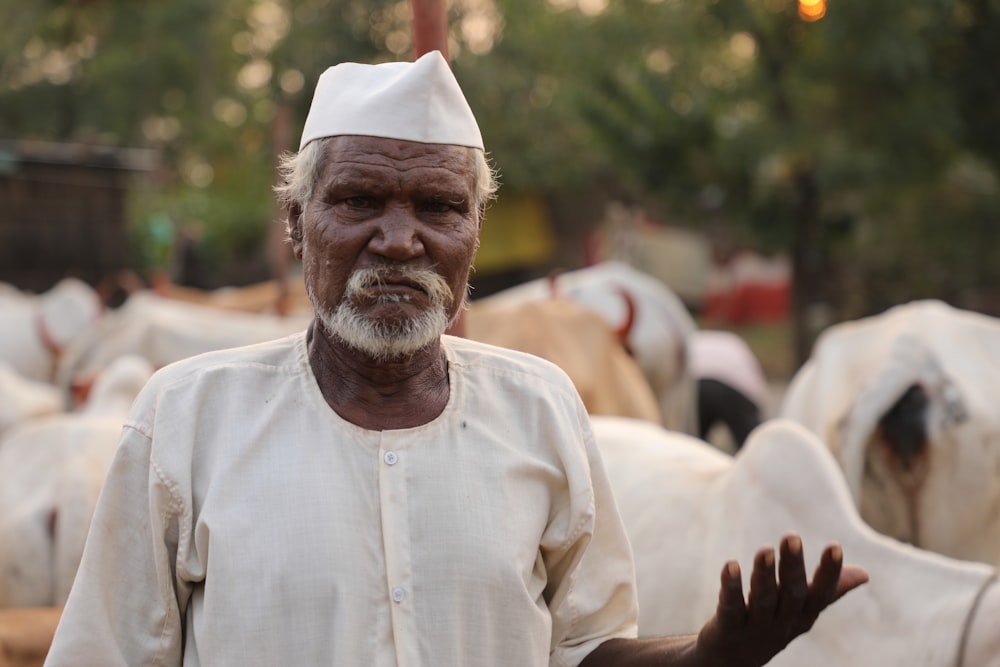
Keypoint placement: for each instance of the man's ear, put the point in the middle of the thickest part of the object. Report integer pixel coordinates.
(295, 229)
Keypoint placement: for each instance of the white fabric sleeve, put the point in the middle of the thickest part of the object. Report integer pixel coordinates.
(591, 590)
(123, 608)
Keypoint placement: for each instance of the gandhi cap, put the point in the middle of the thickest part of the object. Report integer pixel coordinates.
(416, 101)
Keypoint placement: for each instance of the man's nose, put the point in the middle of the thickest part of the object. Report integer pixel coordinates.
(397, 235)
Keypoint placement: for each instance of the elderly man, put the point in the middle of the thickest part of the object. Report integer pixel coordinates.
(372, 492)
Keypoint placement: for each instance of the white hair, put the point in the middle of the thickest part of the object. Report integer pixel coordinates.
(385, 340)
(300, 171)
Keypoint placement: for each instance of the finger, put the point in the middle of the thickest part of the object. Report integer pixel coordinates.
(763, 598)
(793, 588)
(851, 576)
(732, 610)
(826, 579)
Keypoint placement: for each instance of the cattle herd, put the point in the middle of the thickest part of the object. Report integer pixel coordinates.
(886, 441)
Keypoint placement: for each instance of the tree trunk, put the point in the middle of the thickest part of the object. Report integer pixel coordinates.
(430, 32)
(807, 263)
(430, 27)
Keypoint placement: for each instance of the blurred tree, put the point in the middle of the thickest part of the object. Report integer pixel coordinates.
(202, 82)
(865, 143)
(804, 134)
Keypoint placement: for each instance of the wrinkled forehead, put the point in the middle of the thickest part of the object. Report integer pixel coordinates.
(353, 154)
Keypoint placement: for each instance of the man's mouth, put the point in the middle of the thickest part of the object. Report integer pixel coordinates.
(394, 286)
(402, 283)
(387, 288)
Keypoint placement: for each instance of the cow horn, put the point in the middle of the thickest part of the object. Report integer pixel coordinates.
(553, 278)
(625, 327)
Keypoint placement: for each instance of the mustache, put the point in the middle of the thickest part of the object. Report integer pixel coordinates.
(433, 285)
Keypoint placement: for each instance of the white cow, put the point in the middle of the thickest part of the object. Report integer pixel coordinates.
(35, 329)
(51, 471)
(906, 401)
(657, 338)
(22, 398)
(165, 330)
(271, 296)
(688, 508)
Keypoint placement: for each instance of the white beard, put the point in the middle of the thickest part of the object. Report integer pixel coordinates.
(385, 340)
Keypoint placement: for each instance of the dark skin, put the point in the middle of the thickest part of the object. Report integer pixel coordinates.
(386, 201)
(747, 632)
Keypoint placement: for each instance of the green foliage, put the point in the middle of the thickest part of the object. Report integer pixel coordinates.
(200, 82)
(797, 135)
(868, 138)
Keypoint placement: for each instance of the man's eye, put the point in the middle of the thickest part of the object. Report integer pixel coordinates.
(438, 205)
(359, 202)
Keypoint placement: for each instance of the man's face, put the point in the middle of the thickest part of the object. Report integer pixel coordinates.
(396, 218)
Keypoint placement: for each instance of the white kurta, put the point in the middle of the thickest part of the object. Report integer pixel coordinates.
(244, 522)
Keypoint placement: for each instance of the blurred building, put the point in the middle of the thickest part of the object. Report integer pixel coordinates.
(681, 258)
(517, 243)
(749, 288)
(63, 211)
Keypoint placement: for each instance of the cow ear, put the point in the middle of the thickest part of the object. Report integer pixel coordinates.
(295, 229)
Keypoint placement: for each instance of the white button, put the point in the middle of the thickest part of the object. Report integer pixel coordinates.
(390, 458)
(398, 594)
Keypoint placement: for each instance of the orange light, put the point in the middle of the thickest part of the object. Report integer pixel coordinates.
(812, 10)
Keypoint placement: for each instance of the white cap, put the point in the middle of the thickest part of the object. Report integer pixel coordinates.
(418, 101)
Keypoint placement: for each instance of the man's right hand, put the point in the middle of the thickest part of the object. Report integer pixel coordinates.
(781, 605)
